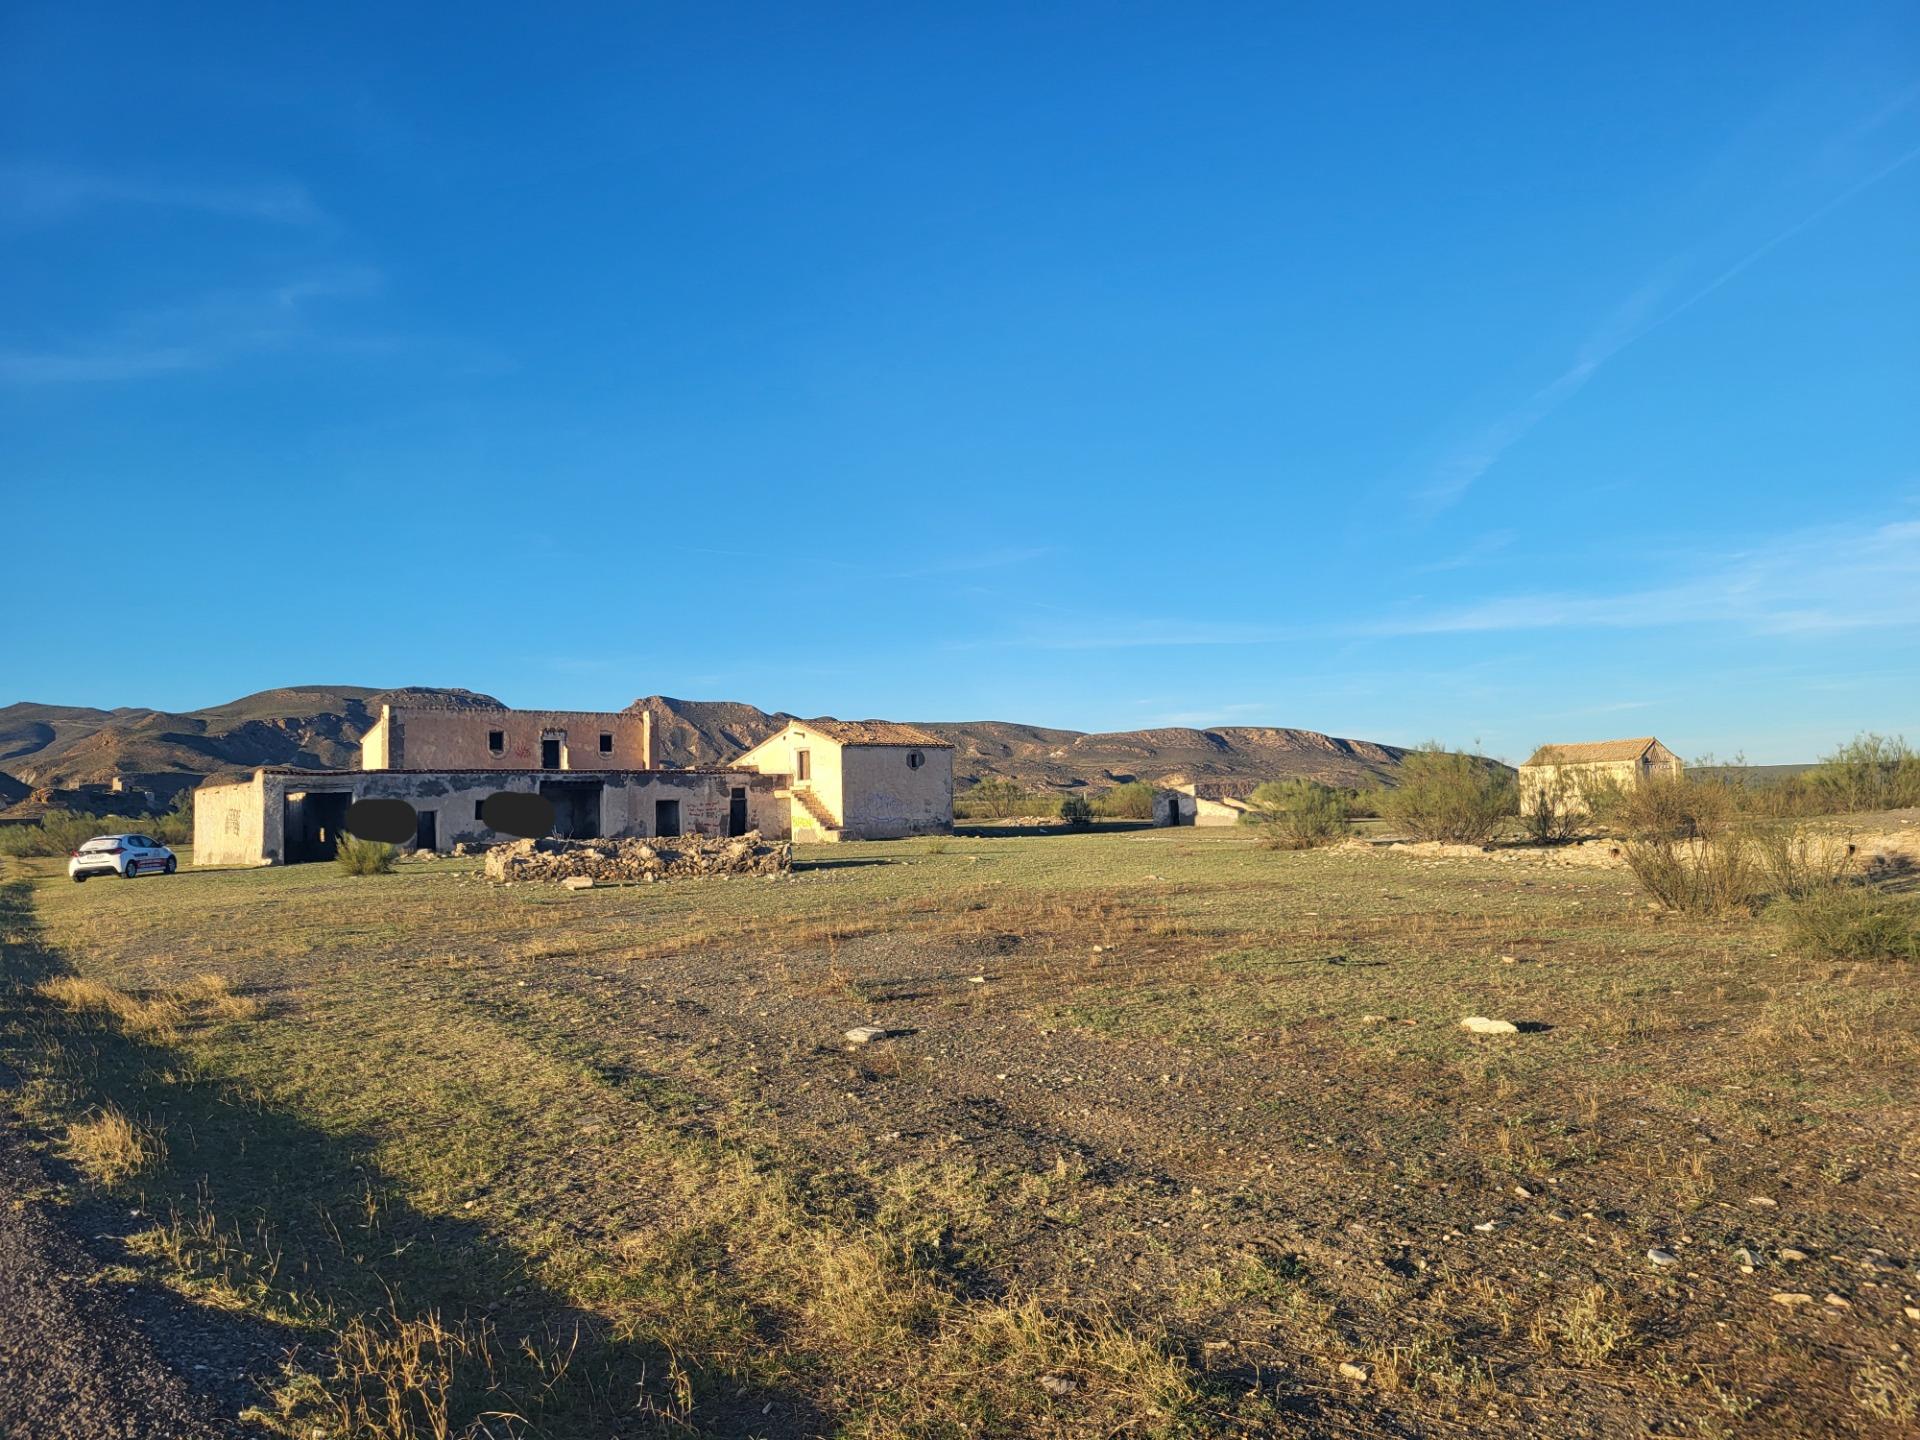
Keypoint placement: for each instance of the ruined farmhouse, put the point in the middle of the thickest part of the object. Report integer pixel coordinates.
(1565, 775)
(861, 779)
(817, 780)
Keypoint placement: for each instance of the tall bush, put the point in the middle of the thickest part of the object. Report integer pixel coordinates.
(1444, 795)
(1299, 814)
(1869, 772)
(1132, 801)
(1076, 810)
(998, 799)
(60, 831)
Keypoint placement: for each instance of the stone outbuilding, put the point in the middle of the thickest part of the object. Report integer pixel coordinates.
(1566, 774)
(859, 779)
(1204, 802)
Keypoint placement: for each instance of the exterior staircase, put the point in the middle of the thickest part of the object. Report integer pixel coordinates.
(817, 811)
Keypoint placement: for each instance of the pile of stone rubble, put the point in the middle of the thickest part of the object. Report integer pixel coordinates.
(613, 861)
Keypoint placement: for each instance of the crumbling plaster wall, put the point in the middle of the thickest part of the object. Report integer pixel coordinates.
(888, 797)
(227, 824)
(408, 738)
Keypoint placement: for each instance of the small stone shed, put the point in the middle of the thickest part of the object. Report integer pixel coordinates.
(1204, 802)
(859, 779)
(284, 816)
(1566, 774)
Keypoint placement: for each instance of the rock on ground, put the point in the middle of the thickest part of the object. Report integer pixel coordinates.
(552, 861)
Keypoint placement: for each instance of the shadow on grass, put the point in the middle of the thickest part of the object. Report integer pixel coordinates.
(397, 1312)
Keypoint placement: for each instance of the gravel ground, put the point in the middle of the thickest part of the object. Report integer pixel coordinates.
(81, 1358)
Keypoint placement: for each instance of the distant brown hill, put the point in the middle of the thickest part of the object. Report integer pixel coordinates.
(63, 747)
(56, 748)
(704, 732)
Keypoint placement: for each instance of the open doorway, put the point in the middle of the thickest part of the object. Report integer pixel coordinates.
(426, 834)
(550, 754)
(666, 817)
(576, 808)
(313, 824)
(737, 811)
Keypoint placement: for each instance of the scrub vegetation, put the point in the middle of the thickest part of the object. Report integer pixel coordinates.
(1171, 1134)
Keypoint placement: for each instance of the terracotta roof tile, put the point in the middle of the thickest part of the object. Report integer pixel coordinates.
(1592, 752)
(876, 732)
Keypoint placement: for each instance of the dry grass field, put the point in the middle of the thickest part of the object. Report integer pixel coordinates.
(1173, 1135)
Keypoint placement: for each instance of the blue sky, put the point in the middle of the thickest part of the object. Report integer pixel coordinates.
(1506, 374)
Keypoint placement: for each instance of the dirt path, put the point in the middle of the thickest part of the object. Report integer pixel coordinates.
(75, 1358)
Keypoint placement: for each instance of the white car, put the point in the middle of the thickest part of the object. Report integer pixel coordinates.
(122, 855)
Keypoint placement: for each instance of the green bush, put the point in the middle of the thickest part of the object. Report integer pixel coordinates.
(1077, 811)
(1132, 801)
(364, 857)
(1852, 923)
(1662, 807)
(1299, 814)
(997, 799)
(1555, 814)
(1696, 876)
(1737, 867)
(1870, 772)
(60, 832)
(1444, 795)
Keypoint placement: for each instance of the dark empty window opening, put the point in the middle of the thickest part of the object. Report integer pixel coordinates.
(478, 806)
(549, 754)
(496, 740)
(606, 743)
(802, 765)
(666, 817)
(915, 759)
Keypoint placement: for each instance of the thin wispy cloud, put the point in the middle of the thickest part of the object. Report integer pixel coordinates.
(1636, 319)
(1830, 579)
(47, 194)
(200, 334)
(1485, 548)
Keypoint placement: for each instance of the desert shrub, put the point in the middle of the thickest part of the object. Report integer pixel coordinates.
(1363, 802)
(1696, 875)
(1444, 795)
(1555, 813)
(1737, 867)
(364, 857)
(1795, 862)
(1662, 808)
(60, 832)
(997, 799)
(1299, 814)
(1852, 923)
(1132, 801)
(1076, 810)
(1870, 772)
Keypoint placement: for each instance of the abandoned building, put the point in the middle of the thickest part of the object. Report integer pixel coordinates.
(860, 779)
(1563, 775)
(815, 780)
(445, 737)
(1204, 802)
(283, 816)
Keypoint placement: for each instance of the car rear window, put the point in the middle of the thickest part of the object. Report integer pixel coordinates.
(103, 842)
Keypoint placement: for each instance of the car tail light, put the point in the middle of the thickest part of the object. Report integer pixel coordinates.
(117, 850)
(73, 855)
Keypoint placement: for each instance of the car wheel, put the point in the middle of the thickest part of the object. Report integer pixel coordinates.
(132, 870)
(172, 865)
(79, 877)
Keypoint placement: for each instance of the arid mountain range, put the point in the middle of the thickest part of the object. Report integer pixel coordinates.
(49, 754)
